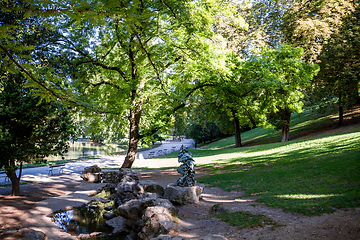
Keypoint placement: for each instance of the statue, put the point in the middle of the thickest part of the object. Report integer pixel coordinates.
(186, 169)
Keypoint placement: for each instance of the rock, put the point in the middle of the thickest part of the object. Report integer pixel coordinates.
(109, 216)
(150, 211)
(127, 190)
(92, 169)
(170, 237)
(158, 223)
(151, 187)
(93, 206)
(148, 195)
(118, 225)
(128, 175)
(109, 208)
(31, 234)
(218, 209)
(91, 177)
(104, 200)
(183, 195)
(135, 208)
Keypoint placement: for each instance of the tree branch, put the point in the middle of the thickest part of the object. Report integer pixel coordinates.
(155, 68)
(96, 63)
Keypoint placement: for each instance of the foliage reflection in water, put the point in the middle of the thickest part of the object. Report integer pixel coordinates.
(86, 219)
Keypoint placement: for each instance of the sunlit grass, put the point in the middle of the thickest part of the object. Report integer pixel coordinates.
(310, 176)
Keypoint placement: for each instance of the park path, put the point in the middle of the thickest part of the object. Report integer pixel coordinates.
(33, 174)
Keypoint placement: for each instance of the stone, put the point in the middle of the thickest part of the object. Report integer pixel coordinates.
(92, 169)
(170, 237)
(104, 201)
(128, 175)
(31, 234)
(118, 225)
(183, 195)
(135, 208)
(158, 223)
(151, 187)
(109, 216)
(93, 206)
(109, 208)
(150, 211)
(127, 190)
(91, 177)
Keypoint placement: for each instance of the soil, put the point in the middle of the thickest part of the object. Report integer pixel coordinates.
(196, 219)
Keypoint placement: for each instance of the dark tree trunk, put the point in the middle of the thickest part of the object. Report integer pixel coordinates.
(341, 116)
(285, 133)
(15, 180)
(286, 115)
(237, 132)
(134, 137)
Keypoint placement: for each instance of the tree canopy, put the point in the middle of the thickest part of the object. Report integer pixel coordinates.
(29, 129)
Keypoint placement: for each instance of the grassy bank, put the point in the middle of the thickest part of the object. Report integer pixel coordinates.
(310, 176)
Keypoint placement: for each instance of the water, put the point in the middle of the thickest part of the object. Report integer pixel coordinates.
(82, 149)
(87, 219)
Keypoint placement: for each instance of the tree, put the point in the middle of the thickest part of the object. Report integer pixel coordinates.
(286, 76)
(30, 129)
(340, 63)
(149, 58)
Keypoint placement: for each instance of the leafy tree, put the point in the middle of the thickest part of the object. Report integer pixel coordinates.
(30, 129)
(266, 88)
(340, 63)
(287, 75)
(150, 57)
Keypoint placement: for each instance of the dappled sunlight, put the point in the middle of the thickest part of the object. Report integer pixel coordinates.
(223, 199)
(308, 196)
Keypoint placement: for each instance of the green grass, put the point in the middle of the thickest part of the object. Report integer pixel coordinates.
(246, 219)
(302, 124)
(309, 176)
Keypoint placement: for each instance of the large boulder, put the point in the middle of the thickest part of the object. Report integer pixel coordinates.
(127, 190)
(157, 223)
(183, 195)
(135, 208)
(31, 234)
(118, 225)
(92, 174)
(151, 187)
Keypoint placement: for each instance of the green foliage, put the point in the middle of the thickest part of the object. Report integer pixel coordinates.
(340, 62)
(199, 134)
(30, 129)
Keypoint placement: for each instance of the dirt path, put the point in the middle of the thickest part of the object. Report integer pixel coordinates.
(196, 219)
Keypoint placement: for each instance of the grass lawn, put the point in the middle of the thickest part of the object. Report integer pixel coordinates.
(311, 176)
(317, 172)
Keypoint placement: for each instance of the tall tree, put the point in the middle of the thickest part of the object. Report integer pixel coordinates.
(340, 63)
(30, 129)
(141, 62)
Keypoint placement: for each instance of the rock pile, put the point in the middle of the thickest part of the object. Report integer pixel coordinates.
(145, 208)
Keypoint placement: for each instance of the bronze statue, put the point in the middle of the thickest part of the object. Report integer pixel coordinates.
(186, 169)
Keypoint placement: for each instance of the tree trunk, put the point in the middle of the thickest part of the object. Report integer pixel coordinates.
(285, 134)
(134, 137)
(15, 180)
(285, 125)
(237, 132)
(341, 115)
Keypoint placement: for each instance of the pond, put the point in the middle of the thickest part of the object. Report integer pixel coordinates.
(86, 149)
(89, 218)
